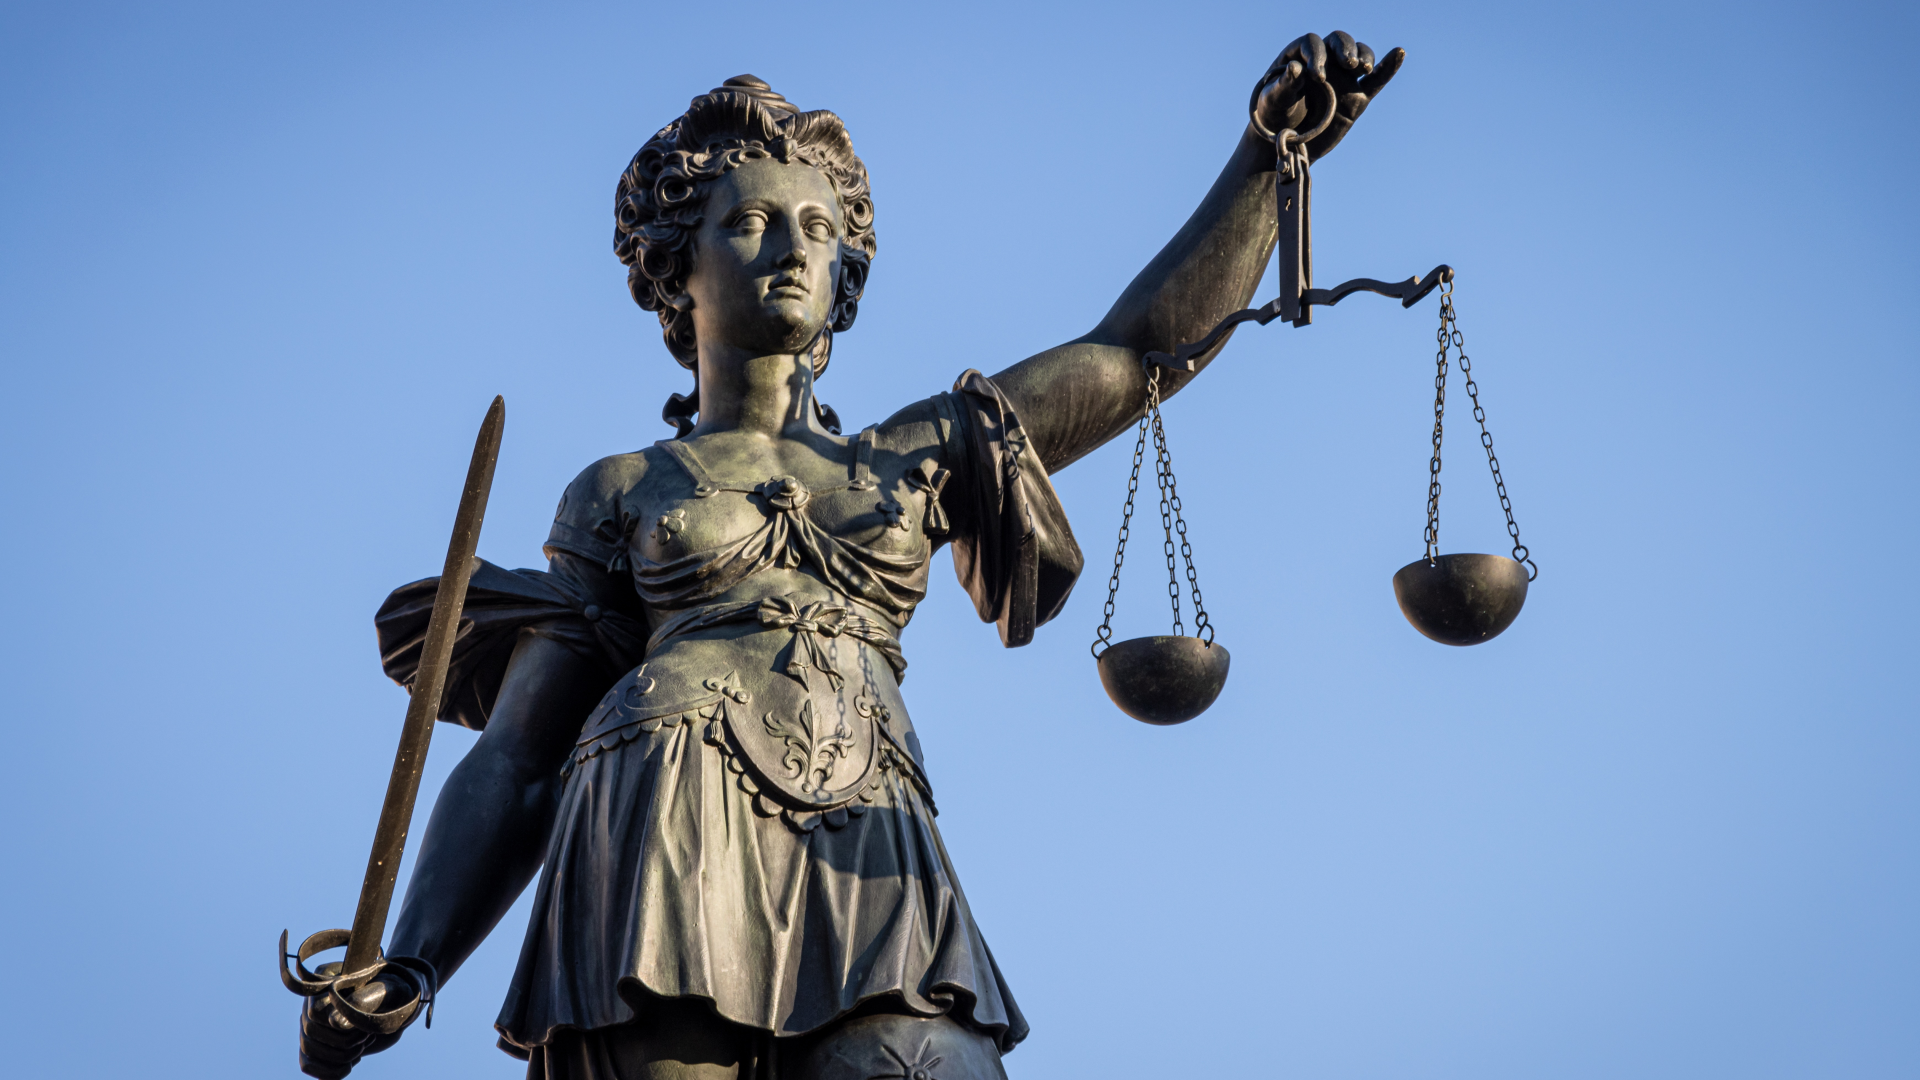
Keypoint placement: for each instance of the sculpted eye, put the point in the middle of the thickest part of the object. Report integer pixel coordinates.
(820, 230)
(751, 221)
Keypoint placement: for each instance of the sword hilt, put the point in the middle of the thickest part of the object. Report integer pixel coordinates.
(365, 998)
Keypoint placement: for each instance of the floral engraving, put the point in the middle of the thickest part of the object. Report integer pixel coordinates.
(812, 751)
(920, 1068)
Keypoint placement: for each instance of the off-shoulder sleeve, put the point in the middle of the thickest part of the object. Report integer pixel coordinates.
(586, 602)
(593, 520)
(1013, 549)
(500, 604)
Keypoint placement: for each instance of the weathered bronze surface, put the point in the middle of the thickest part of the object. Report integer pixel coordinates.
(1168, 679)
(1461, 599)
(691, 722)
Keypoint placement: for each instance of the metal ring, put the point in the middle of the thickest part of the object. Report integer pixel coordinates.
(1311, 84)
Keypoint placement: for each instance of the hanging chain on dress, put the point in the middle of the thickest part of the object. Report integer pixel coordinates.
(1449, 338)
(1172, 522)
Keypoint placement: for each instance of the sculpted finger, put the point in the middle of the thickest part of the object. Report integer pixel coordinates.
(1366, 58)
(1343, 50)
(1310, 51)
(1282, 82)
(320, 1049)
(1383, 72)
(1285, 68)
(326, 1038)
(1317, 49)
(1274, 104)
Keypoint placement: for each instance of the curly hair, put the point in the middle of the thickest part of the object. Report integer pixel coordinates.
(660, 198)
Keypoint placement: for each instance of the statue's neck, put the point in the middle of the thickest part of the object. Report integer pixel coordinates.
(769, 395)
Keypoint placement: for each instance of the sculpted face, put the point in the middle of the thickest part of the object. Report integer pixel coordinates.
(766, 257)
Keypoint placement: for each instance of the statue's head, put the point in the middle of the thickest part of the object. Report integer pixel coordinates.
(689, 200)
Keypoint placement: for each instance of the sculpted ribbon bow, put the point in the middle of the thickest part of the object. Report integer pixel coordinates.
(809, 624)
(930, 482)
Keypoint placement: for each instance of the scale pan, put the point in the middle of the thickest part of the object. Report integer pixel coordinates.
(1163, 680)
(1461, 599)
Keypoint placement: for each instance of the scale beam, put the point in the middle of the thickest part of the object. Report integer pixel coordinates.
(1408, 292)
(1293, 195)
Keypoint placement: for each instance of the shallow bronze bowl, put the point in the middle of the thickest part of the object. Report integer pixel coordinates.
(1163, 680)
(1461, 599)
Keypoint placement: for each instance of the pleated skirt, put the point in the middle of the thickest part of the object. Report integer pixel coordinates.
(661, 876)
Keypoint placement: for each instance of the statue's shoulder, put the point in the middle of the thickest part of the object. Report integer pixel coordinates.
(596, 509)
(606, 482)
(927, 428)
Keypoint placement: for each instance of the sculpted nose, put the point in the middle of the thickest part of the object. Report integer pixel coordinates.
(795, 255)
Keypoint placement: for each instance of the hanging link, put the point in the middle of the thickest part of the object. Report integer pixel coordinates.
(1172, 524)
(1432, 535)
(1450, 338)
(1163, 473)
(1202, 626)
(1104, 635)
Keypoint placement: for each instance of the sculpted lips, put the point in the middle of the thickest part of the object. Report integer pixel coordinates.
(787, 281)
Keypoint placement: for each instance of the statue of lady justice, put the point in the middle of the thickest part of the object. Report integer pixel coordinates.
(692, 720)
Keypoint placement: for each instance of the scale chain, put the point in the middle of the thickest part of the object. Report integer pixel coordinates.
(1172, 522)
(1104, 635)
(1202, 626)
(1432, 535)
(1449, 337)
(1163, 473)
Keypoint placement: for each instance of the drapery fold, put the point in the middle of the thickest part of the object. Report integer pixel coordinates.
(500, 604)
(1019, 560)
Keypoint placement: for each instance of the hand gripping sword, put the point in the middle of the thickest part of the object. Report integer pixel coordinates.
(364, 986)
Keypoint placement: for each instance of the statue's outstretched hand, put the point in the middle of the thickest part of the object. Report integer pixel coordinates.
(1292, 93)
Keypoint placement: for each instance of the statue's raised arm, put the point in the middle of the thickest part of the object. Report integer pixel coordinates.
(1076, 396)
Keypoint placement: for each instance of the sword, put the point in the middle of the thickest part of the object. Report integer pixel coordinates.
(364, 963)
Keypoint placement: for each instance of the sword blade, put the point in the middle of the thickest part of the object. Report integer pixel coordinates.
(396, 814)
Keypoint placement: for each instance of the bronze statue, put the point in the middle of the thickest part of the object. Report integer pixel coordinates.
(692, 726)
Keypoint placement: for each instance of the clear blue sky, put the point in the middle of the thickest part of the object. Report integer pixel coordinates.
(263, 266)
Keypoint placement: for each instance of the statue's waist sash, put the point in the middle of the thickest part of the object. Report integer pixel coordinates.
(808, 714)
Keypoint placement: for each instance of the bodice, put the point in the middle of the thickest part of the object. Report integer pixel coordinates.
(774, 605)
(701, 575)
(867, 537)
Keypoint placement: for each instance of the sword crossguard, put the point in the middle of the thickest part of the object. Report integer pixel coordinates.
(411, 974)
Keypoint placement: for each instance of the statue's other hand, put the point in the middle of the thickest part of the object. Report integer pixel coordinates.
(1294, 82)
(330, 1046)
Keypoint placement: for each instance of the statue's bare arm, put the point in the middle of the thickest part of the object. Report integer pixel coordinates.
(488, 833)
(1076, 396)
